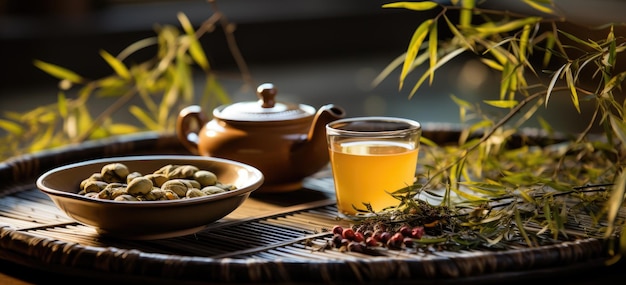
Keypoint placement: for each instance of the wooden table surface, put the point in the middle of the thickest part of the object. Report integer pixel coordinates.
(586, 274)
(14, 274)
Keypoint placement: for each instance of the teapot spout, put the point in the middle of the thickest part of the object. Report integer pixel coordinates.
(314, 149)
(325, 115)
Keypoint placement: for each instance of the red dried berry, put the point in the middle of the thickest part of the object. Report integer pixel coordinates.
(417, 232)
(337, 229)
(358, 237)
(371, 241)
(405, 231)
(348, 234)
(384, 237)
(396, 241)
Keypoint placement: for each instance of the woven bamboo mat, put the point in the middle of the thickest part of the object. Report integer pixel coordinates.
(271, 238)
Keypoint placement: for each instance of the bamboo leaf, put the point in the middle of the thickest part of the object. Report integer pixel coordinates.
(454, 178)
(572, 87)
(169, 99)
(520, 227)
(388, 69)
(84, 121)
(582, 42)
(527, 197)
(461, 102)
(413, 49)
(483, 221)
(516, 75)
(136, 46)
(523, 43)
(468, 196)
(509, 26)
(417, 6)
(432, 49)
(492, 63)
(42, 141)
(171, 94)
(466, 176)
(550, 41)
(612, 48)
(184, 79)
(47, 117)
(521, 178)
(547, 214)
(58, 72)
(85, 93)
(486, 188)
(540, 5)
(119, 68)
(427, 141)
(613, 83)
(122, 129)
(151, 105)
(112, 83)
(463, 106)
(11, 127)
(186, 24)
(502, 103)
(555, 77)
(506, 79)
(613, 205)
(496, 51)
(619, 127)
(195, 49)
(62, 104)
(457, 34)
(545, 125)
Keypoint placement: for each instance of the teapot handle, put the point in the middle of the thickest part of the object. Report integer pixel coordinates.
(189, 122)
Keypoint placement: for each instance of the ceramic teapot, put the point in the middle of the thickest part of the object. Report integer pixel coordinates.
(285, 141)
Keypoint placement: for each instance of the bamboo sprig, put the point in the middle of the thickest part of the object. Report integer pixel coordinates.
(507, 42)
(163, 84)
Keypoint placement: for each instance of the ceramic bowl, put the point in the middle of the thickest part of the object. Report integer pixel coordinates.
(149, 219)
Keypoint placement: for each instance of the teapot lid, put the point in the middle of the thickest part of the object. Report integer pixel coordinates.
(264, 109)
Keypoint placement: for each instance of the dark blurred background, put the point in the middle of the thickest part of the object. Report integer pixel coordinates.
(71, 32)
(316, 52)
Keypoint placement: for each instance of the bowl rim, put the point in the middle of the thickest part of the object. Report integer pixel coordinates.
(254, 185)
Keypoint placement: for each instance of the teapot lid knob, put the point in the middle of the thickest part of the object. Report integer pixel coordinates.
(265, 109)
(267, 93)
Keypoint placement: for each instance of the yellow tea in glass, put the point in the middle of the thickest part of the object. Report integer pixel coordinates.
(370, 158)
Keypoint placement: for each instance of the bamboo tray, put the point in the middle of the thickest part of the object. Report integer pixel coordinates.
(269, 239)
